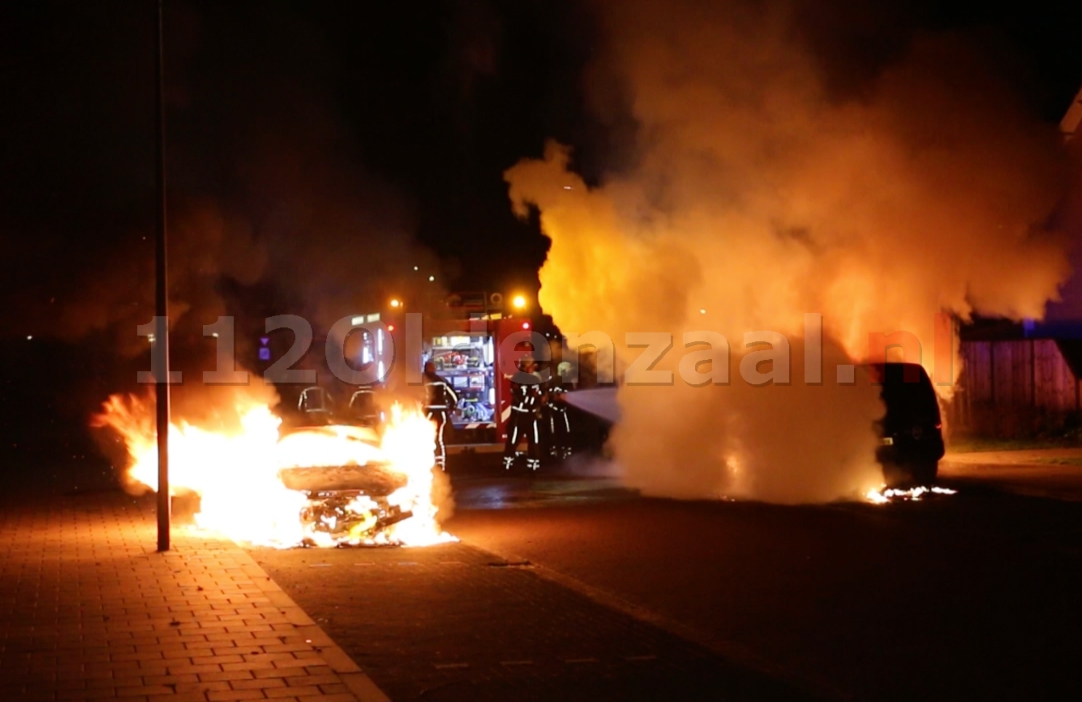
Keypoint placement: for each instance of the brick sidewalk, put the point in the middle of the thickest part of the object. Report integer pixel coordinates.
(89, 610)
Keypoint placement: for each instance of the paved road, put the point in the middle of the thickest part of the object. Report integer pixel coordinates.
(455, 623)
(1052, 473)
(970, 596)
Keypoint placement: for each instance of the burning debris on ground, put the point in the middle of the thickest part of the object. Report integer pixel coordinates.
(886, 495)
(348, 518)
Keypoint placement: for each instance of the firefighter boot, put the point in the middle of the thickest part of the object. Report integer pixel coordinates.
(533, 463)
(508, 462)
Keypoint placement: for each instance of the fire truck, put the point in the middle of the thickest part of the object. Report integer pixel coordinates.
(473, 339)
(463, 338)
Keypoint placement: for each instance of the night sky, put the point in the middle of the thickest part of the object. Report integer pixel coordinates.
(327, 144)
(410, 112)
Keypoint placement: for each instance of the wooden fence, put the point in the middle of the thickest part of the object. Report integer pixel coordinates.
(1026, 384)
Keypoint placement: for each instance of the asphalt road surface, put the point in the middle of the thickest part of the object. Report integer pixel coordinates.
(567, 587)
(1052, 473)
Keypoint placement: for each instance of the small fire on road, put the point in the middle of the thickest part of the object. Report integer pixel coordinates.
(887, 495)
(238, 476)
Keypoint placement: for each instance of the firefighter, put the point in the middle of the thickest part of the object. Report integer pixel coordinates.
(441, 401)
(525, 415)
(363, 407)
(315, 405)
(559, 424)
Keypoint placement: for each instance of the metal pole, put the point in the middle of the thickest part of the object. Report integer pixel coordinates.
(161, 336)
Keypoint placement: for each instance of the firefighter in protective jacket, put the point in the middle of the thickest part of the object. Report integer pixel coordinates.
(559, 424)
(441, 401)
(525, 419)
(363, 407)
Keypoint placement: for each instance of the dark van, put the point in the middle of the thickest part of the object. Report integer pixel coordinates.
(911, 431)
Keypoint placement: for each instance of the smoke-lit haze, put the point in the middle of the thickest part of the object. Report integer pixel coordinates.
(759, 196)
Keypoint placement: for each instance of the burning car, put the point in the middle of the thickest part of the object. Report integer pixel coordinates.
(349, 488)
(911, 431)
(314, 484)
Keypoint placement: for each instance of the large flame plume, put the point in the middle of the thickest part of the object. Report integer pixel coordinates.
(756, 195)
(236, 472)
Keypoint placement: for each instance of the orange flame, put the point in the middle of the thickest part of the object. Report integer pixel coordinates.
(236, 473)
(886, 495)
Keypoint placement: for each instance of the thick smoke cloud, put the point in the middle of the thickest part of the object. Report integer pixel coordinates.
(757, 196)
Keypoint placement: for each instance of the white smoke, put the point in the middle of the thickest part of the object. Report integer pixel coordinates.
(757, 198)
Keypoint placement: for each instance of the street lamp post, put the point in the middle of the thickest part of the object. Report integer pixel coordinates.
(161, 334)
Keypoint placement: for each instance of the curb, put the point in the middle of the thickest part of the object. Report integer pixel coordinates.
(360, 685)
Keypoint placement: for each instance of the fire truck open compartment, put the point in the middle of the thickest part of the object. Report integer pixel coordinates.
(467, 361)
(466, 353)
(463, 339)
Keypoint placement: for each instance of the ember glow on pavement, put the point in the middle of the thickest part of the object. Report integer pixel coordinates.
(882, 497)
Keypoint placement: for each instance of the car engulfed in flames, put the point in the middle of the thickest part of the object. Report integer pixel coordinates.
(318, 486)
(352, 493)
